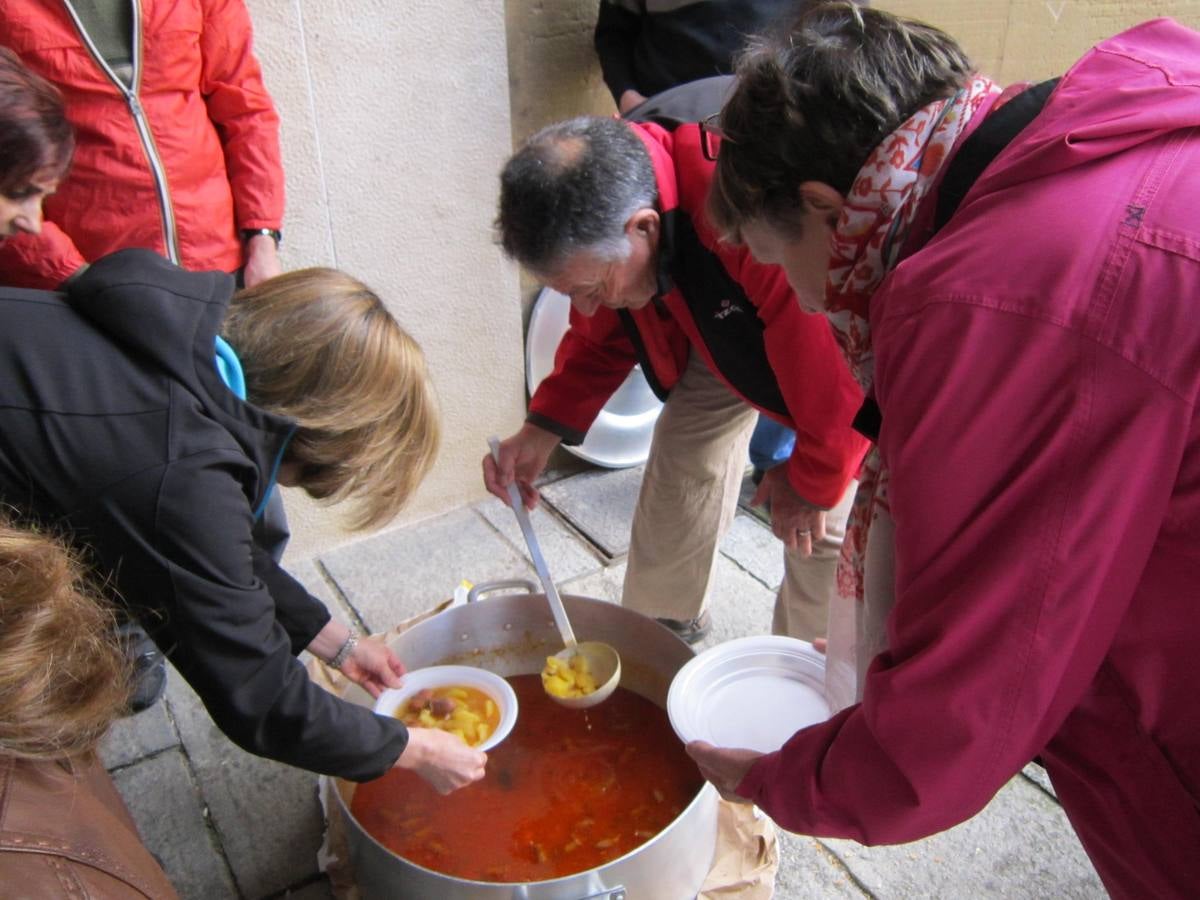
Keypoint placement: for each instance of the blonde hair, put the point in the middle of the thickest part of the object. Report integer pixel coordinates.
(63, 675)
(320, 348)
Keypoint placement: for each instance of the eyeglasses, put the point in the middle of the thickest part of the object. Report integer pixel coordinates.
(711, 136)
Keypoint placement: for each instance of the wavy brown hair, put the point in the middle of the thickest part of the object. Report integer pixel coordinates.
(813, 100)
(320, 348)
(34, 132)
(63, 675)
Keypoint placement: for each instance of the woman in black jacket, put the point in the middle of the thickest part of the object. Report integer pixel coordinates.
(148, 414)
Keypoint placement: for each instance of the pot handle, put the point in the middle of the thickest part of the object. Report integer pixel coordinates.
(476, 592)
(615, 893)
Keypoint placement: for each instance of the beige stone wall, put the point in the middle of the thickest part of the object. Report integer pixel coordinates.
(552, 74)
(395, 122)
(1036, 39)
(552, 68)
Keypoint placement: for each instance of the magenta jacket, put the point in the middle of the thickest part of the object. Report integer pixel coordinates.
(1038, 369)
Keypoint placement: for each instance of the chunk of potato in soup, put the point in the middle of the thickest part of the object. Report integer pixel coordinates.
(461, 710)
(568, 679)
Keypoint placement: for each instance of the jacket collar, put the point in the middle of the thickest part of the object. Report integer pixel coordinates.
(170, 318)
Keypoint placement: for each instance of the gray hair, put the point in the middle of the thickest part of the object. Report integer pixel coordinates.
(571, 188)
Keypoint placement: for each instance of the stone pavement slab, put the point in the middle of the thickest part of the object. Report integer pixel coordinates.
(603, 584)
(166, 805)
(266, 815)
(752, 546)
(395, 575)
(1019, 846)
(739, 603)
(566, 555)
(562, 464)
(809, 870)
(310, 574)
(1038, 776)
(134, 737)
(600, 504)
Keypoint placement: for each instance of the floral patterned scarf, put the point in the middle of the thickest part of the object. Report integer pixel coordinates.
(872, 229)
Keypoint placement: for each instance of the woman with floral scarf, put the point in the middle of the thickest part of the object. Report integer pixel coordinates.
(1023, 556)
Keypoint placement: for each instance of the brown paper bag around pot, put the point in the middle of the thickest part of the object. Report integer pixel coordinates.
(333, 857)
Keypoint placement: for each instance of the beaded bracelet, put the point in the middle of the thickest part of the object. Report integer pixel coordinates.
(343, 654)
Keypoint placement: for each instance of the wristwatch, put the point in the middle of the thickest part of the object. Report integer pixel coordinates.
(274, 233)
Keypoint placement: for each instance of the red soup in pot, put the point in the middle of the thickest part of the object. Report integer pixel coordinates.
(568, 790)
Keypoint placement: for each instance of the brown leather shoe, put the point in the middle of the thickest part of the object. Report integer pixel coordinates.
(691, 630)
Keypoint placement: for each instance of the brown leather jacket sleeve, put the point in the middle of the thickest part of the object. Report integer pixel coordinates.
(89, 848)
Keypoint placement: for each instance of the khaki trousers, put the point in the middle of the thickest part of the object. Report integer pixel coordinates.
(688, 499)
(810, 585)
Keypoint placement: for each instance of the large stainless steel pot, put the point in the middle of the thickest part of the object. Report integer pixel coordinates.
(512, 634)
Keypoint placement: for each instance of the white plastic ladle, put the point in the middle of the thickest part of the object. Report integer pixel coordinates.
(602, 659)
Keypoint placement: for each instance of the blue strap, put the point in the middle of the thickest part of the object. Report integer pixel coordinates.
(262, 507)
(229, 367)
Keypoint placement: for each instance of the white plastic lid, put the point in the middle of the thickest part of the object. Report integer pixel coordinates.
(753, 693)
(620, 437)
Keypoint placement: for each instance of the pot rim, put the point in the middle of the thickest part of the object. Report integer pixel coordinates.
(705, 795)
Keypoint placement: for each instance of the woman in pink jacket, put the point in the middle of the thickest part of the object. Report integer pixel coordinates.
(1016, 277)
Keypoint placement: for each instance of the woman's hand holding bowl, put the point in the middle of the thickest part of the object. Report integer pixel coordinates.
(373, 666)
(442, 759)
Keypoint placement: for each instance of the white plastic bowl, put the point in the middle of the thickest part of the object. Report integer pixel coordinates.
(752, 692)
(490, 683)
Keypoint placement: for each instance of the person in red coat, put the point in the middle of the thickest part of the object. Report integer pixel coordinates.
(1015, 274)
(611, 214)
(177, 137)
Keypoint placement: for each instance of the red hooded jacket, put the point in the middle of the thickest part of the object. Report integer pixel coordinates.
(178, 164)
(740, 316)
